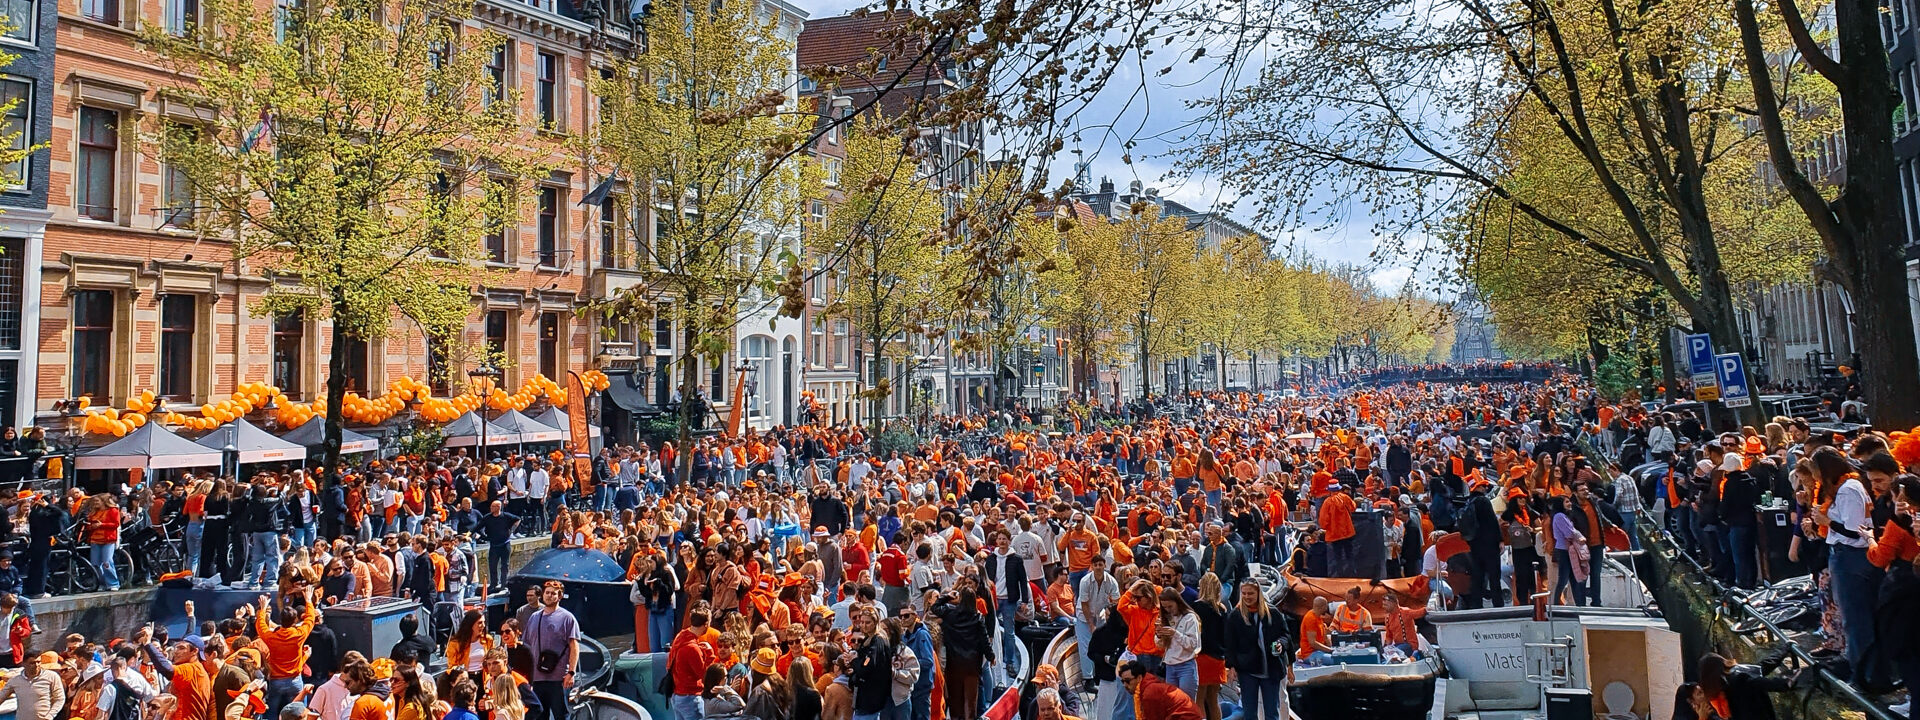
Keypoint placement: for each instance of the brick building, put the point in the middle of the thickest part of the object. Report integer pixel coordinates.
(133, 296)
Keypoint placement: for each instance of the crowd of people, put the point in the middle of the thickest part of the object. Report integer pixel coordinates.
(796, 574)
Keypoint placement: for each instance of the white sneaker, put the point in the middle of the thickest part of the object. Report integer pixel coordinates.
(1902, 709)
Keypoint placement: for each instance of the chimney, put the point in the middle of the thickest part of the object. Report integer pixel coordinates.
(1106, 185)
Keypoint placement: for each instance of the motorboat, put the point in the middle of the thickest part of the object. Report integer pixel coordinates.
(1523, 663)
(1371, 686)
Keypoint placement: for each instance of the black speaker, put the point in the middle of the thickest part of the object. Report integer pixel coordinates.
(1369, 547)
(1569, 704)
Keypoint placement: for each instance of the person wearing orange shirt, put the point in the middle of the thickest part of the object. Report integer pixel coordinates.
(1079, 545)
(1353, 616)
(1336, 518)
(1316, 634)
(191, 685)
(1155, 698)
(1140, 608)
(286, 648)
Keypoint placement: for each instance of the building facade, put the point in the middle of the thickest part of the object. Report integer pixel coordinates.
(26, 86)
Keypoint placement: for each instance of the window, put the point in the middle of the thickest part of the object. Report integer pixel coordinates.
(817, 345)
(546, 5)
(832, 165)
(182, 16)
(93, 344)
(841, 344)
(550, 344)
(178, 189)
(663, 329)
(358, 379)
(497, 75)
(549, 229)
(99, 153)
(496, 335)
(289, 343)
(102, 11)
(662, 245)
(547, 91)
(23, 17)
(833, 131)
(611, 254)
(17, 96)
(177, 324)
(440, 204)
(499, 208)
(13, 269)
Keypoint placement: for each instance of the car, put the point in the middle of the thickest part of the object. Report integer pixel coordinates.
(1809, 407)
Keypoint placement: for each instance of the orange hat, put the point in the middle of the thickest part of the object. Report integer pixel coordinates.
(763, 661)
(1754, 446)
(793, 580)
(382, 669)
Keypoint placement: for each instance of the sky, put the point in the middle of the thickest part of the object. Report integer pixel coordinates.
(1153, 112)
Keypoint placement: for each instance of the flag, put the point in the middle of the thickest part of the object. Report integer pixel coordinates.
(599, 192)
(1006, 708)
(258, 134)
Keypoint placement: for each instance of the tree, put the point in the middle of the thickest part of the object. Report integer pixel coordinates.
(1001, 254)
(1238, 310)
(1147, 277)
(1860, 227)
(884, 238)
(335, 151)
(1619, 116)
(695, 126)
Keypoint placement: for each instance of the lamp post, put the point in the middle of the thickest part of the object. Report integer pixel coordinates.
(69, 439)
(486, 370)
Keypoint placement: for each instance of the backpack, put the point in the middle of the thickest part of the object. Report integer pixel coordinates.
(1519, 535)
(1469, 521)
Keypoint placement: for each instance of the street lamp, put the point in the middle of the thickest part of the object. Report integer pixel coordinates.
(488, 371)
(69, 439)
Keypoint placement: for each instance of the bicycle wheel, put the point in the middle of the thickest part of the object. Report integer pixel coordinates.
(85, 577)
(123, 568)
(164, 558)
(60, 572)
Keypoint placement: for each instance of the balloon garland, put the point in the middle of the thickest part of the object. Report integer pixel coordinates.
(249, 397)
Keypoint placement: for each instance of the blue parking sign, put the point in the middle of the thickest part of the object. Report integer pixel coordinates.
(1732, 370)
(1700, 354)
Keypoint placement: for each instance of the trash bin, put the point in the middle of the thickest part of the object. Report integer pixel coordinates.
(372, 625)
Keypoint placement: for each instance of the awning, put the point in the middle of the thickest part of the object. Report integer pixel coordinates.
(529, 430)
(554, 418)
(253, 444)
(313, 434)
(466, 430)
(149, 446)
(627, 392)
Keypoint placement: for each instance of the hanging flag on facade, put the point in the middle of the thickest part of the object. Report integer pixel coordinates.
(259, 134)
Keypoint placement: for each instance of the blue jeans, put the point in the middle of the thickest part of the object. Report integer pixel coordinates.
(1009, 640)
(1855, 583)
(1082, 635)
(1629, 522)
(195, 530)
(920, 705)
(280, 692)
(1319, 658)
(660, 629)
(1185, 676)
(101, 554)
(1740, 545)
(302, 535)
(602, 497)
(1264, 698)
(1563, 579)
(1213, 503)
(687, 707)
(263, 557)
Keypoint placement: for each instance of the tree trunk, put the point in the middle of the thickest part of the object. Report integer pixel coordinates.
(875, 399)
(1140, 331)
(689, 382)
(336, 393)
(1860, 229)
(1670, 386)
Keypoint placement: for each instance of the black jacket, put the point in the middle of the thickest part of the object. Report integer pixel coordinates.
(871, 677)
(1213, 630)
(962, 631)
(1399, 460)
(1737, 498)
(1105, 646)
(1017, 588)
(1245, 650)
(1486, 526)
(1746, 691)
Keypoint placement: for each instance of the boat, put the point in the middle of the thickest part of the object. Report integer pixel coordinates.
(1300, 591)
(1519, 663)
(1382, 689)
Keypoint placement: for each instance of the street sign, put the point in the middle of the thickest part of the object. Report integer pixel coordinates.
(1705, 392)
(1700, 354)
(1732, 371)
